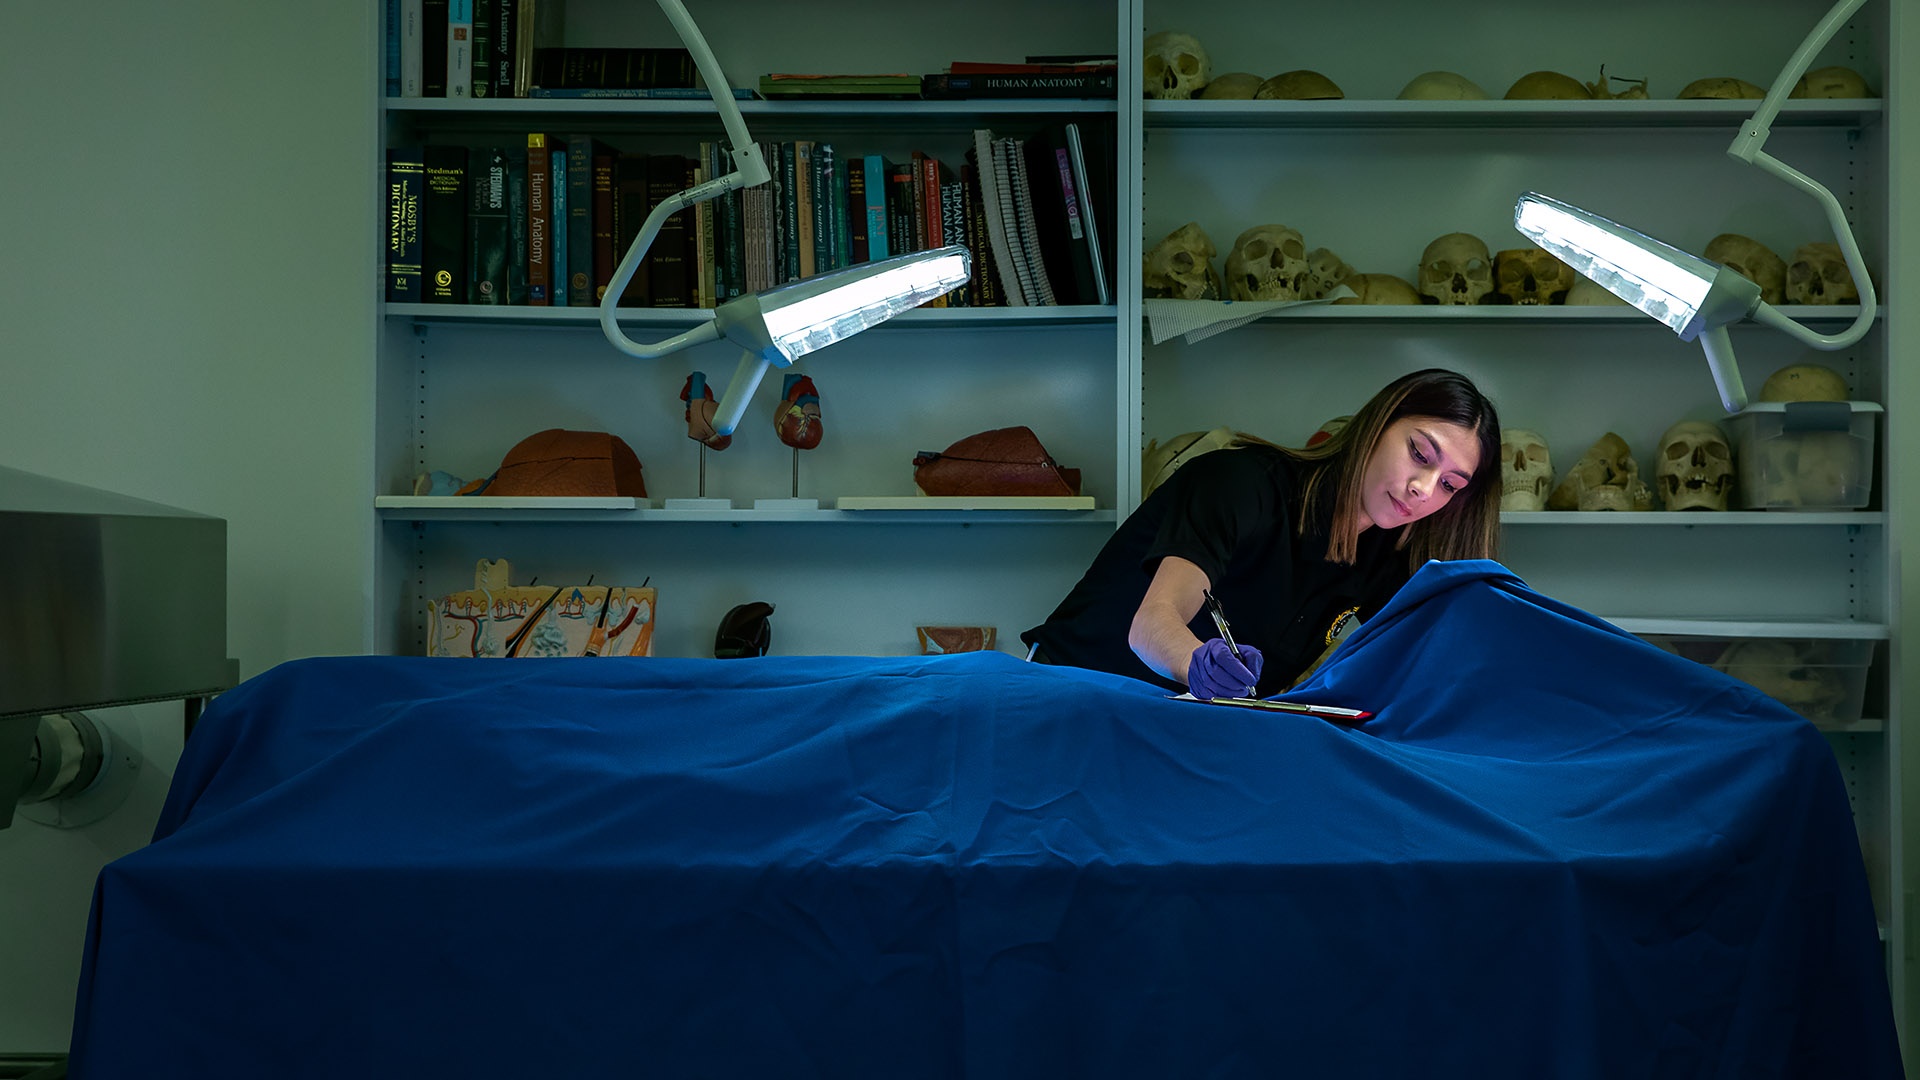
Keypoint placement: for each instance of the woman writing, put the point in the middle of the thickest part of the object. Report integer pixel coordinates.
(1296, 545)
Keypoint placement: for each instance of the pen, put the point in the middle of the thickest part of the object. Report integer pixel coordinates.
(1226, 634)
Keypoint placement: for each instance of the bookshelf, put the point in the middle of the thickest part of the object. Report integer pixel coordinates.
(1369, 176)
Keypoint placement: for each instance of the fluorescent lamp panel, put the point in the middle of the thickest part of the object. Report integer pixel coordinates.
(788, 321)
(1661, 280)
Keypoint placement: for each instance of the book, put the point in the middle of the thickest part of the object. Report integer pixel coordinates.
(902, 237)
(1058, 225)
(667, 93)
(1096, 250)
(489, 239)
(826, 206)
(1096, 138)
(854, 212)
(1090, 84)
(536, 24)
(433, 47)
(579, 218)
(782, 84)
(390, 46)
(405, 183)
(443, 225)
(413, 72)
(875, 167)
(557, 229)
(668, 274)
(539, 220)
(516, 225)
(506, 18)
(605, 160)
(1020, 195)
(953, 227)
(802, 233)
(1015, 270)
(629, 215)
(459, 46)
(985, 276)
(965, 67)
(482, 66)
(611, 67)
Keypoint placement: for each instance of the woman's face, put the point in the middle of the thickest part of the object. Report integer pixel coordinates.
(1417, 467)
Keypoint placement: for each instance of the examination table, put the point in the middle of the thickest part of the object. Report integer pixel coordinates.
(1556, 852)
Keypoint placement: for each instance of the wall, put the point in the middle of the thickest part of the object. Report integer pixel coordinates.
(185, 316)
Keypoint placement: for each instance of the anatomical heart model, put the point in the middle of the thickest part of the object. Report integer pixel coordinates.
(797, 416)
(700, 409)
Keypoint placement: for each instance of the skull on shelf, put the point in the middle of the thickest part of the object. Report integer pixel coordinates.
(1804, 382)
(1587, 292)
(1176, 66)
(1694, 470)
(1268, 262)
(1813, 469)
(1720, 87)
(1548, 86)
(1442, 86)
(1831, 82)
(1532, 275)
(1456, 269)
(1797, 674)
(1751, 260)
(1605, 478)
(1232, 86)
(1818, 274)
(1526, 469)
(1299, 85)
(1631, 89)
(1379, 289)
(1181, 266)
(1324, 271)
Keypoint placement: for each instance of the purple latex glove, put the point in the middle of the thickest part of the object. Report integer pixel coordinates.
(1213, 672)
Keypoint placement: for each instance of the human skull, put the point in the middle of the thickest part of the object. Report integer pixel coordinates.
(1830, 82)
(1324, 271)
(1532, 275)
(1797, 674)
(1160, 460)
(1526, 469)
(1751, 260)
(1299, 85)
(1176, 66)
(1268, 262)
(1694, 470)
(1456, 269)
(1631, 89)
(1811, 469)
(1442, 86)
(1548, 86)
(1379, 289)
(1804, 382)
(1818, 274)
(1181, 266)
(1721, 87)
(1605, 478)
(1587, 292)
(1233, 86)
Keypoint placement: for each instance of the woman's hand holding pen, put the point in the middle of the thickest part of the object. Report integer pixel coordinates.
(1214, 672)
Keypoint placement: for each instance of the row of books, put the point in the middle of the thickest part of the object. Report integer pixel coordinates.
(548, 223)
(509, 48)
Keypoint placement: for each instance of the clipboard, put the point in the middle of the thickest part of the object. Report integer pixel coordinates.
(1332, 713)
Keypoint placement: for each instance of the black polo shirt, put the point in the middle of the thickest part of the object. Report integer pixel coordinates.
(1231, 513)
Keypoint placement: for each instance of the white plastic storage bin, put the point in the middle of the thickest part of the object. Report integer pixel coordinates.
(1822, 679)
(1804, 455)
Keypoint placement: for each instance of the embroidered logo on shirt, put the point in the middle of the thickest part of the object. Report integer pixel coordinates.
(1342, 625)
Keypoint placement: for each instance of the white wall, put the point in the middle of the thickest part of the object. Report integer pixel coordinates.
(186, 283)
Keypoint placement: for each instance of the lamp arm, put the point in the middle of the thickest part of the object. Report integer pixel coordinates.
(1753, 135)
(1849, 248)
(1726, 372)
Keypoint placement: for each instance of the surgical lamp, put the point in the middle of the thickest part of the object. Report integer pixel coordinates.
(781, 324)
(1693, 297)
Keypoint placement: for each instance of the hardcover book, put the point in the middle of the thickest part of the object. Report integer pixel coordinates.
(1090, 84)
(1090, 216)
(483, 30)
(517, 225)
(540, 219)
(629, 214)
(668, 273)
(489, 239)
(506, 17)
(443, 226)
(605, 163)
(854, 212)
(1057, 218)
(433, 47)
(879, 239)
(390, 46)
(412, 30)
(557, 232)
(612, 67)
(803, 208)
(581, 150)
(459, 47)
(405, 182)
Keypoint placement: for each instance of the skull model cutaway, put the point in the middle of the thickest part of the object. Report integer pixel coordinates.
(1180, 267)
(1818, 274)
(1695, 467)
(1752, 260)
(1268, 262)
(1605, 478)
(1532, 275)
(1456, 269)
(1526, 469)
(1325, 270)
(1176, 66)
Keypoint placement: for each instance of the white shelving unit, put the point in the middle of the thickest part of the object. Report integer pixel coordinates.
(1370, 177)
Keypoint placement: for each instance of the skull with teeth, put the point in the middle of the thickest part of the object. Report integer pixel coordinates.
(1526, 469)
(1180, 266)
(1605, 478)
(1268, 262)
(1456, 269)
(1818, 274)
(1695, 469)
(1532, 276)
